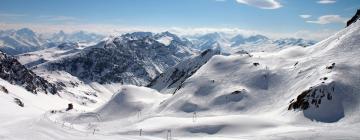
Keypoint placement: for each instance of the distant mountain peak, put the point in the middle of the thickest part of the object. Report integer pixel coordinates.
(137, 35)
(26, 31)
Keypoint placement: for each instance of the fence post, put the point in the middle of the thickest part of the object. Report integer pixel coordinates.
(194, 116)
(168, 135)
(95, 130)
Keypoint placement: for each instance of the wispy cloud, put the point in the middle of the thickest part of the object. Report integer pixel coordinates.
(326, 1)
(10, 15)
(58, 18)
(305, 16)
(263, 4)
(327, 19)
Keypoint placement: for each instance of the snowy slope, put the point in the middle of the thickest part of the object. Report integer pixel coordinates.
(245, 96)
(59, 83)
(242, 96)
(267, 82)
(72, 88)
(173, 78)
(295, 93)
(61, 51)
(132, 100)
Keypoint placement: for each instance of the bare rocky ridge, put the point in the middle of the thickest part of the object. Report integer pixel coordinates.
(134, 58)
(13, 72)
(354, 18)
(172, 79)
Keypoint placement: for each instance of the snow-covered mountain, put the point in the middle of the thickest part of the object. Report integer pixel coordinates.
(33, 59)
(209, 41)
(255, 39)
(292, 93)
(15, 73)
(132, 58)
(317, 82)
(20, 41)
(173, 78)
(245, 96)
(25, 40)
(80, 36)
(230, 44)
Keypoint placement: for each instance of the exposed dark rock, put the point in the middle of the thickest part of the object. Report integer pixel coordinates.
(312, 96)
(235, 96)
(175, 76)
(3, 89)
(354, 18)
(325, 78)
(296, 63)
(238, 91)
(12, 71)
(331, 66)
(244, 52)
(18, 102)
(134, 58)
(70, 106)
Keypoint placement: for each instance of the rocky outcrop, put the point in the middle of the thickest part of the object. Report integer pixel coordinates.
(354, 18)
(133, 58)
(321, 103)
(313, 96)
(172, 79)
(12, 71)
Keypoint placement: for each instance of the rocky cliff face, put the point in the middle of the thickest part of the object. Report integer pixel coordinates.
(172, 79)
(354, 18)
(134, 58)
(15, 73)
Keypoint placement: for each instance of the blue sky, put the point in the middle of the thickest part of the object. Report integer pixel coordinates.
(271, 16)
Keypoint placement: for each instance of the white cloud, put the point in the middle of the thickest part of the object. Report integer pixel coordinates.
(327, 19)
(326, 1)
(59, 18)
(263, 4)
(305, 16)
(314, 35)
